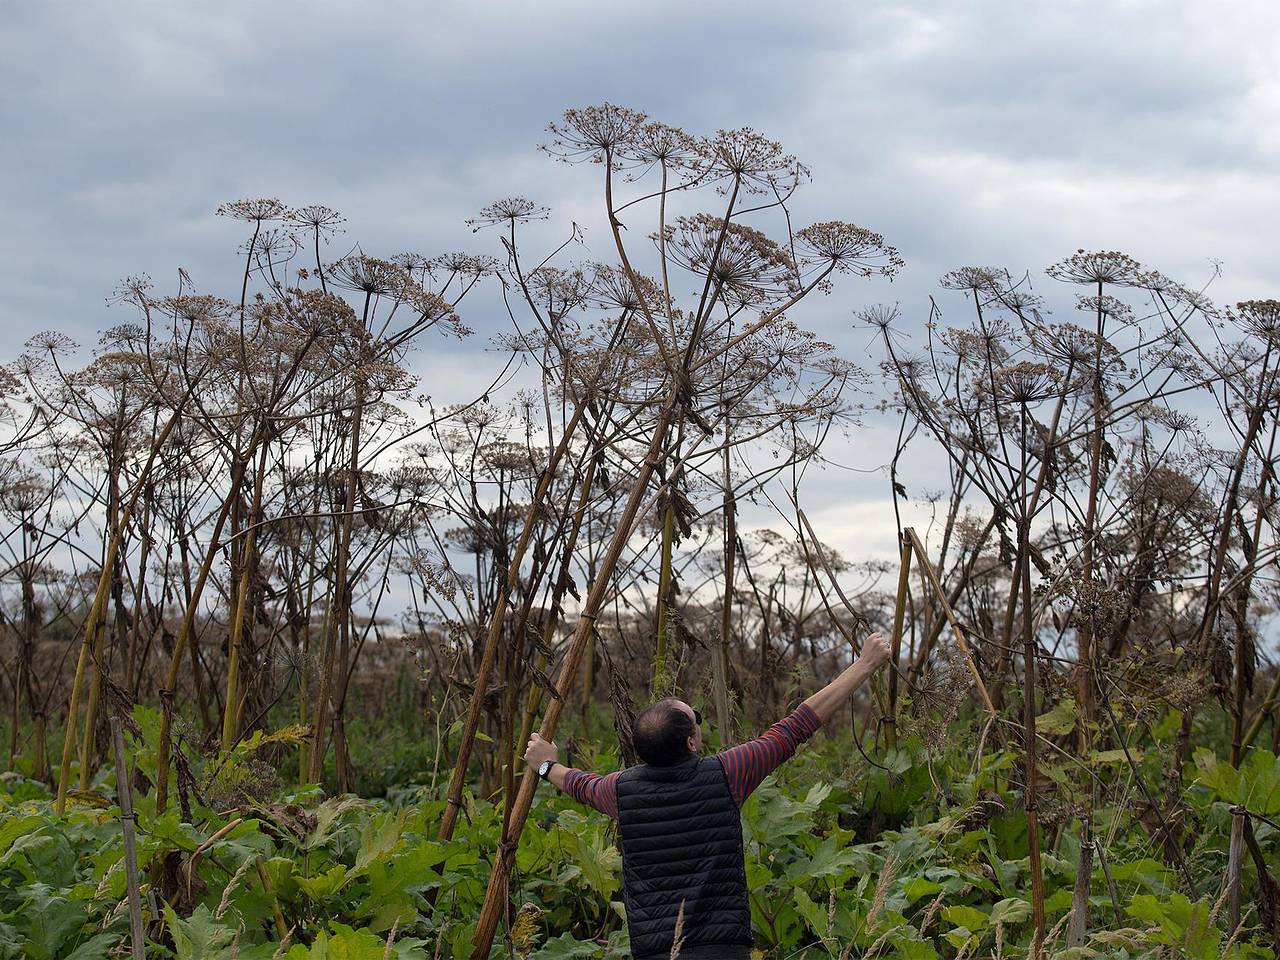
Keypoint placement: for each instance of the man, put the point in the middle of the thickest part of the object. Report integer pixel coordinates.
(678, 820)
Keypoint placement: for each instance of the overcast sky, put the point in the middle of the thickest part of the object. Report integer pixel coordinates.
(1007, 133)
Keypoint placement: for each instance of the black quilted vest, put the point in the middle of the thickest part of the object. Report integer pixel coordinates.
(681, 839)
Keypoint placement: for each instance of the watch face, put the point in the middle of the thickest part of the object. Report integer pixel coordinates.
(544, 768)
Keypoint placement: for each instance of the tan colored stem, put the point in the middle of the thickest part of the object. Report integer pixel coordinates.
(961, 642)
(496, 893)
(895, 641)
(496, 622)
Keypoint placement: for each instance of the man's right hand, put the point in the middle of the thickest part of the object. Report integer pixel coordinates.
(539, 750)
(875, 651)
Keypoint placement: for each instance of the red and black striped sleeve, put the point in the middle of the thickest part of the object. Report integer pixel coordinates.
(599, 792)
(748, 764)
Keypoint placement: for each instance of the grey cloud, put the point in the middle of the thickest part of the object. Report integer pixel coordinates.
(987, 132)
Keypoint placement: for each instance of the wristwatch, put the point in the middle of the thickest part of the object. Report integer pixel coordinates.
(544, 768)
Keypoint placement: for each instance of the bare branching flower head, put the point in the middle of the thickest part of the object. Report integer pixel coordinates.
(1110, 307)
(253, 211)
(848, 248)
(275, 245)
(1020, 302)
(1173, 420)
(1260, 317)
(1026, 382)
(506, 212)
(979, 347)
(881, 316)
(10, 385)
(558, 292)
(983, 280)
(747, 265)
(596, 133)
(464, 264)
(370, 275)
(756, 163)
(660, 143)
(314, 313)
(317, 218)
(1156, 282)
(1105, 266)
(1072, 345)
(433, 309)
(50, 343)
(611, 288)
(134, 290)
(197, 309)
(123, 336)
(1193, 301)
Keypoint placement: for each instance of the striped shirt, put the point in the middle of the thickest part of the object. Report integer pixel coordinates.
(745, 765)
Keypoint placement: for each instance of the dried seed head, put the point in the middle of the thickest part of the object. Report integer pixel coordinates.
(595, 133)
(1109, 307)
(755, 162)
(1026, 382)
(746, 265)
(983, 280)
(508, 211)
(1260, 317)
(370, 275)
(317, 218)
(1105, 266)
(660, 143)
(253, 211)
(848, 248)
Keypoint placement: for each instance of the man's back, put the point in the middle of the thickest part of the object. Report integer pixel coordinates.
(681, 839)
(681, 835)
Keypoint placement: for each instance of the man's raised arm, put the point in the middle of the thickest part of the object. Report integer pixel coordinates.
(747, 764)
(875, 654)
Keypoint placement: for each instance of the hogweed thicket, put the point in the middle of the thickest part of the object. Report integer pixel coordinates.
(244, 529)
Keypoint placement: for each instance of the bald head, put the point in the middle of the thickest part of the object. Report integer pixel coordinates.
(665, 733)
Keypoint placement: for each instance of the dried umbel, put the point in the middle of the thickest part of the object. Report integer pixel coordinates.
(1026, 382)
(1108, 307)
(253, 211)
(1106, 267)
(982, 280)
(318, 219)
(316, 314)
(275, 246)
(881, 316)
(369, 275)
(596, 133)
(753, 162)
(848, 248)
(982, 348)
(432, 309)
(1070, 345)
(558, 292)
(508, 212)
(664, 145)
(50, 343)
(464, 264)
(938, 695)
(123, 336)
(198, 309)
(1156, 413)
(1021, 303)
(1260, 317)
(746, 266)
(611, 288)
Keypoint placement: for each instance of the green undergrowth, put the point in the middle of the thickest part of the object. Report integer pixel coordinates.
(918, 856)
